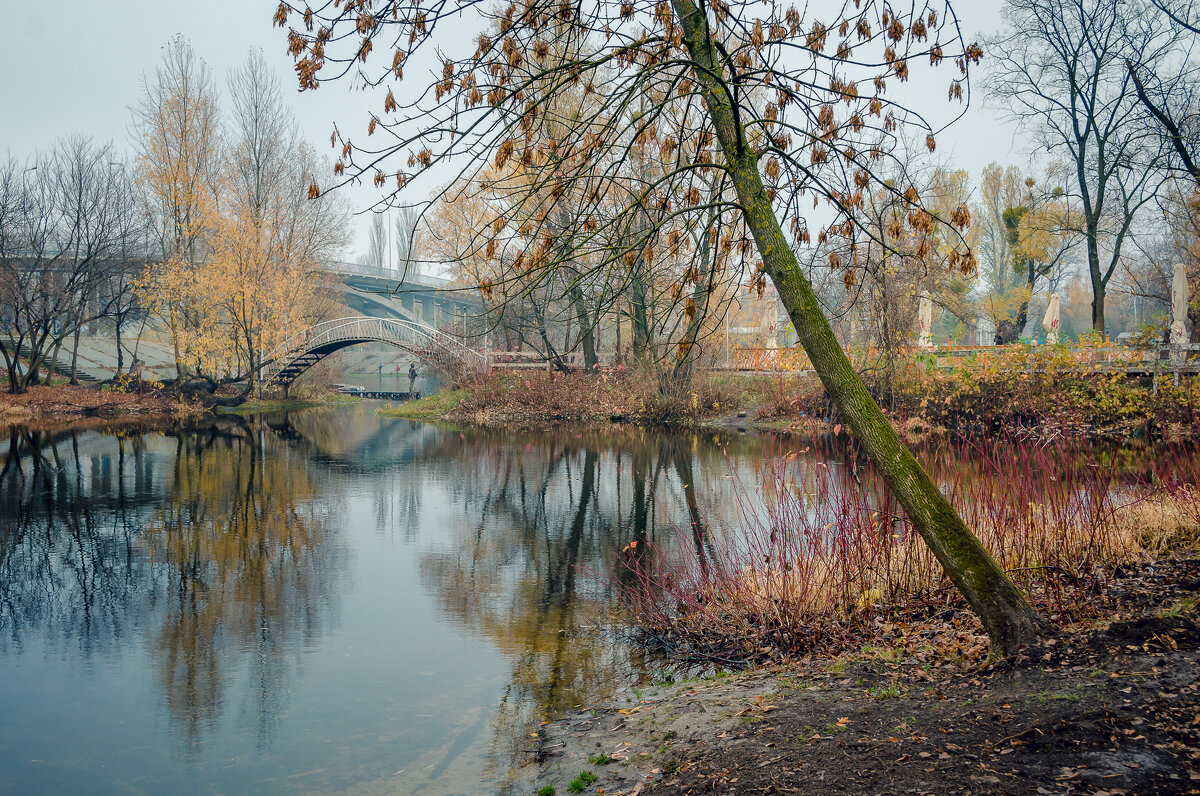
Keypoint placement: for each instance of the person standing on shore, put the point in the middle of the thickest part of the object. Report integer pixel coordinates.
(412, 379)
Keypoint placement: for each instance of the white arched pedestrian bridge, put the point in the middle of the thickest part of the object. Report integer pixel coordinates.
(309, 347)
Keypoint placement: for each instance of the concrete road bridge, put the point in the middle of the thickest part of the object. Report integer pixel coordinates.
(406, 295)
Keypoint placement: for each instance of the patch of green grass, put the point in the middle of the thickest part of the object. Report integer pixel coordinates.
(1181, 608)
(257, 405)
(580, 782)
(547, 790)
(431, 407)
(600, 760)
(1046, 697)
(890, 691)
(888, 654)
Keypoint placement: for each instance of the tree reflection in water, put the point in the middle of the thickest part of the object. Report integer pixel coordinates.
(539, 571)
(69, 558)
(217, 551)
(224, 565)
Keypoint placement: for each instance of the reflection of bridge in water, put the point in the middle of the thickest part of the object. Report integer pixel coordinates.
(119, 475)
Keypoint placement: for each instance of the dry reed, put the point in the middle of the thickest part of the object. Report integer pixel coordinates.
(824, 553)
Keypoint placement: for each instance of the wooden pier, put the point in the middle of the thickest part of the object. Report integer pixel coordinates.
(382, 395)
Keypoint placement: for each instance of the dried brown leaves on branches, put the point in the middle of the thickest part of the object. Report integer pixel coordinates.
(592, 121)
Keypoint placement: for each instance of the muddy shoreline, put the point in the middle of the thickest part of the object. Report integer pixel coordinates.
(1096, 709)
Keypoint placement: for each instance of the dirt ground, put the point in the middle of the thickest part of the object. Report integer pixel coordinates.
(1108, 708)
(43, 404)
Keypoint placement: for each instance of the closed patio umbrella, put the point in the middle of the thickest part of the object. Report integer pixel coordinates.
(1052, 320)
(1179, 306)
(925, 322)
(769, 326)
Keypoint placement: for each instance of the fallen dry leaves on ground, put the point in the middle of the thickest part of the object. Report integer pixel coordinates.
(42, 403)
(1094, 711)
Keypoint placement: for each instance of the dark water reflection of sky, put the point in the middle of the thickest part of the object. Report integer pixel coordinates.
(325, 602)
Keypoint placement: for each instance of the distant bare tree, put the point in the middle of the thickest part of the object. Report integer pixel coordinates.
(117, 299)
(262, 134)
(1061, 69)
(63, 221)
(1174, 104)
(404, 228)
(377, 243)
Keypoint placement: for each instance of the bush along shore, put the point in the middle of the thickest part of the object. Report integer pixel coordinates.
(858, 669)
(1047, 402)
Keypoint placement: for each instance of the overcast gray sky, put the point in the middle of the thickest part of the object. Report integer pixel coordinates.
(74, 67)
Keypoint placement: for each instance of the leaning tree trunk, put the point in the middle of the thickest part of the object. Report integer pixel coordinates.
(37, 356)
(12, 366)
(75, 358)
(1007, 617)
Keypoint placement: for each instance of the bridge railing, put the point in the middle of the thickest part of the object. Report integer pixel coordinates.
(419, 338)
(389, 274)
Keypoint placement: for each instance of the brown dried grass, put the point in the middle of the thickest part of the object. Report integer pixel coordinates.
(826, 558)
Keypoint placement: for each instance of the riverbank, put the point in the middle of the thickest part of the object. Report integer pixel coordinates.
(255, 406)
(439, 406)
(532, 399)
(63, 403)
(1044, 404)
(1108, 705)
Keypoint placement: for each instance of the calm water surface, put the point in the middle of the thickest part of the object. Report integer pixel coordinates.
(325, 601)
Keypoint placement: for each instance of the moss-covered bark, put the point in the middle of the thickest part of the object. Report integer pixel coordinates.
(1008, 618)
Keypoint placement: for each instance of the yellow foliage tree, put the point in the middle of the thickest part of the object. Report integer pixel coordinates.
(242, 241)
(178, 126)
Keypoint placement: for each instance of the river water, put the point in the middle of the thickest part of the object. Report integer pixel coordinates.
(324, 601)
